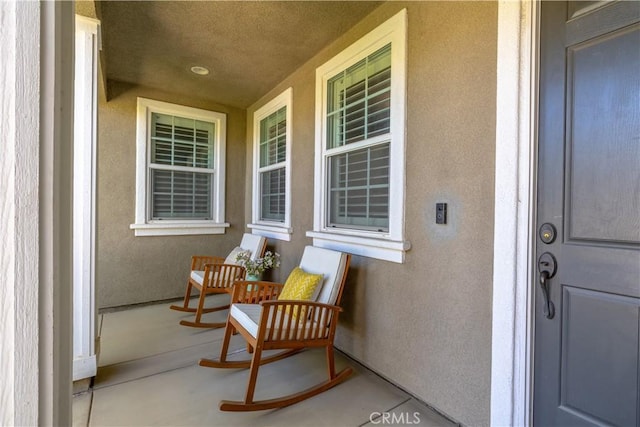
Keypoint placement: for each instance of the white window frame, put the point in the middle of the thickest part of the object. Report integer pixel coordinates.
(144, 226)
(388, 245)
(272, 229)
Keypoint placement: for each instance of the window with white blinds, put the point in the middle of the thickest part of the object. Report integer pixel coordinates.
(359, 100)
(181, 167)
(179, 170)
(360, 145)
(271, 215)
(358, 109)
(273, 143)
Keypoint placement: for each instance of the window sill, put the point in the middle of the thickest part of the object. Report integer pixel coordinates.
(388, 250)
(170, 228)
(271, 231)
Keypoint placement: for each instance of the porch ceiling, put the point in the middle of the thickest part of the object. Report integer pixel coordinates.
(248, 46)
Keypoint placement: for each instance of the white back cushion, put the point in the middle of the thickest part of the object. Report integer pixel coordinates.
(331, 264)
(253, 243)
(231, 258)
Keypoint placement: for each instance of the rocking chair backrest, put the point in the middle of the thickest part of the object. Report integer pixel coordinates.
(254, 243)
(332, 265)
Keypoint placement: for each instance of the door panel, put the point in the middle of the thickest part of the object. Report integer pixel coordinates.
(592, 19)
(599, 356)
(595, 268)
(587, 356)
(603, 153)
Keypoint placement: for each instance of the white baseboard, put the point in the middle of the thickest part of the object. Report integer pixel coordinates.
(85, 367)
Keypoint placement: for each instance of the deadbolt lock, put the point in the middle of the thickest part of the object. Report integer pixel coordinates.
(547, 233)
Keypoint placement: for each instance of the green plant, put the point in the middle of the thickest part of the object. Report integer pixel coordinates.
(257, 266)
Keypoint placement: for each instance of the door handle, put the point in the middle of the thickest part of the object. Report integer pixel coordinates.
(547, 267)
(549, 309)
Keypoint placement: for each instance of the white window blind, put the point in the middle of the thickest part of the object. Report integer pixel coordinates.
(360, 188)
(358, 111)
(181, 168)
(272, 168)
(359, 100)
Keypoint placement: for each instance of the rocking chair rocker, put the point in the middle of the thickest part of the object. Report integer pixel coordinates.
(289, 325)
(216, 275)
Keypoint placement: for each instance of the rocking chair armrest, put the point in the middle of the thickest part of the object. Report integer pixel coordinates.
(222, 275)
(211, 259)
(297, 321)
(216, 266)
(218, 269)
(198, 261)
(253, 292)
(306, 303)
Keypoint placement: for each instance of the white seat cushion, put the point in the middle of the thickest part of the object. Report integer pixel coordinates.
(197, 276)
(248, 316)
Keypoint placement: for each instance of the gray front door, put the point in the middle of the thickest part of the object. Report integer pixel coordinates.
(587, 332)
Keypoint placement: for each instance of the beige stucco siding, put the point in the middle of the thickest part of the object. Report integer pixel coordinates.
(132, 269)
(424, 324)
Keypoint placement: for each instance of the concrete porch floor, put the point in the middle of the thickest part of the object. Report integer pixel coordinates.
(148, 375)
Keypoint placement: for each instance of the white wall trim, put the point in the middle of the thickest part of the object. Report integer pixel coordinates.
(85, 367)
(271, 232)
(383, 249)
(55, 207)
(170, 228)
(84, 196)
(511, 362)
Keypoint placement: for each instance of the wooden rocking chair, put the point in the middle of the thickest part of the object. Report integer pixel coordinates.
(216, 275)
(290, 326)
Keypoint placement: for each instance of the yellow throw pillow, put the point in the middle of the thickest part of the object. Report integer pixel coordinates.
(300, 286)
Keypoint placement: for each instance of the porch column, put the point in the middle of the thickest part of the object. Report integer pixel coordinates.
(36, 75)
(84, 197)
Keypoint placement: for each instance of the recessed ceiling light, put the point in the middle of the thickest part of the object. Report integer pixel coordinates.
(201, 71)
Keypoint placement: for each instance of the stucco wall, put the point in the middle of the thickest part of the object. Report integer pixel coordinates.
(424, 324)
(133, 269)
